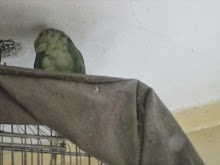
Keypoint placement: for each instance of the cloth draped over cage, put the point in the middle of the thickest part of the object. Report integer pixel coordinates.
(119, 121)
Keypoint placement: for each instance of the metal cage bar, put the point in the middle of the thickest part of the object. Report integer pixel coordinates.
(39, 145)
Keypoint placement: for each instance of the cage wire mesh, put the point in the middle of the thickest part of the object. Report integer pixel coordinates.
(39, 145)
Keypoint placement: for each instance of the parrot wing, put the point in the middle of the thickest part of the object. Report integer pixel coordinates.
(77, 58)
(38, 64)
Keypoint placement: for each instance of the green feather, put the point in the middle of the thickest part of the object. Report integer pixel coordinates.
(77, 58)
(39, 60)
(56, 52)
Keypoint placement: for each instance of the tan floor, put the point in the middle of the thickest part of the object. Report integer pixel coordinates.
(202, 126)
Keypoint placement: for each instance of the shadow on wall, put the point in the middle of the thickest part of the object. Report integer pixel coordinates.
(15, 26)
(22, 21)
(15, 23)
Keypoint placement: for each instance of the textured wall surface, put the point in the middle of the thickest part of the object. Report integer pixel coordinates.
(171, 45)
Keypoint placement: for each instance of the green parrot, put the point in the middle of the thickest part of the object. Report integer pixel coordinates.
(56, 52)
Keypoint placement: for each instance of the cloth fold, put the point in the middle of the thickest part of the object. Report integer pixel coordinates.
(119, 121)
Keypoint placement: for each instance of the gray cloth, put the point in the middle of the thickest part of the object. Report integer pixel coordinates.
(119, 121)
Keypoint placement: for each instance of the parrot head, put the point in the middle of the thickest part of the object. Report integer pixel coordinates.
(49, 38)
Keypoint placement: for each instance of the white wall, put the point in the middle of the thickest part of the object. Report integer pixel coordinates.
(171, 45)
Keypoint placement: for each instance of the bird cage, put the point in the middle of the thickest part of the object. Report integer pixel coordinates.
(39, 145)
